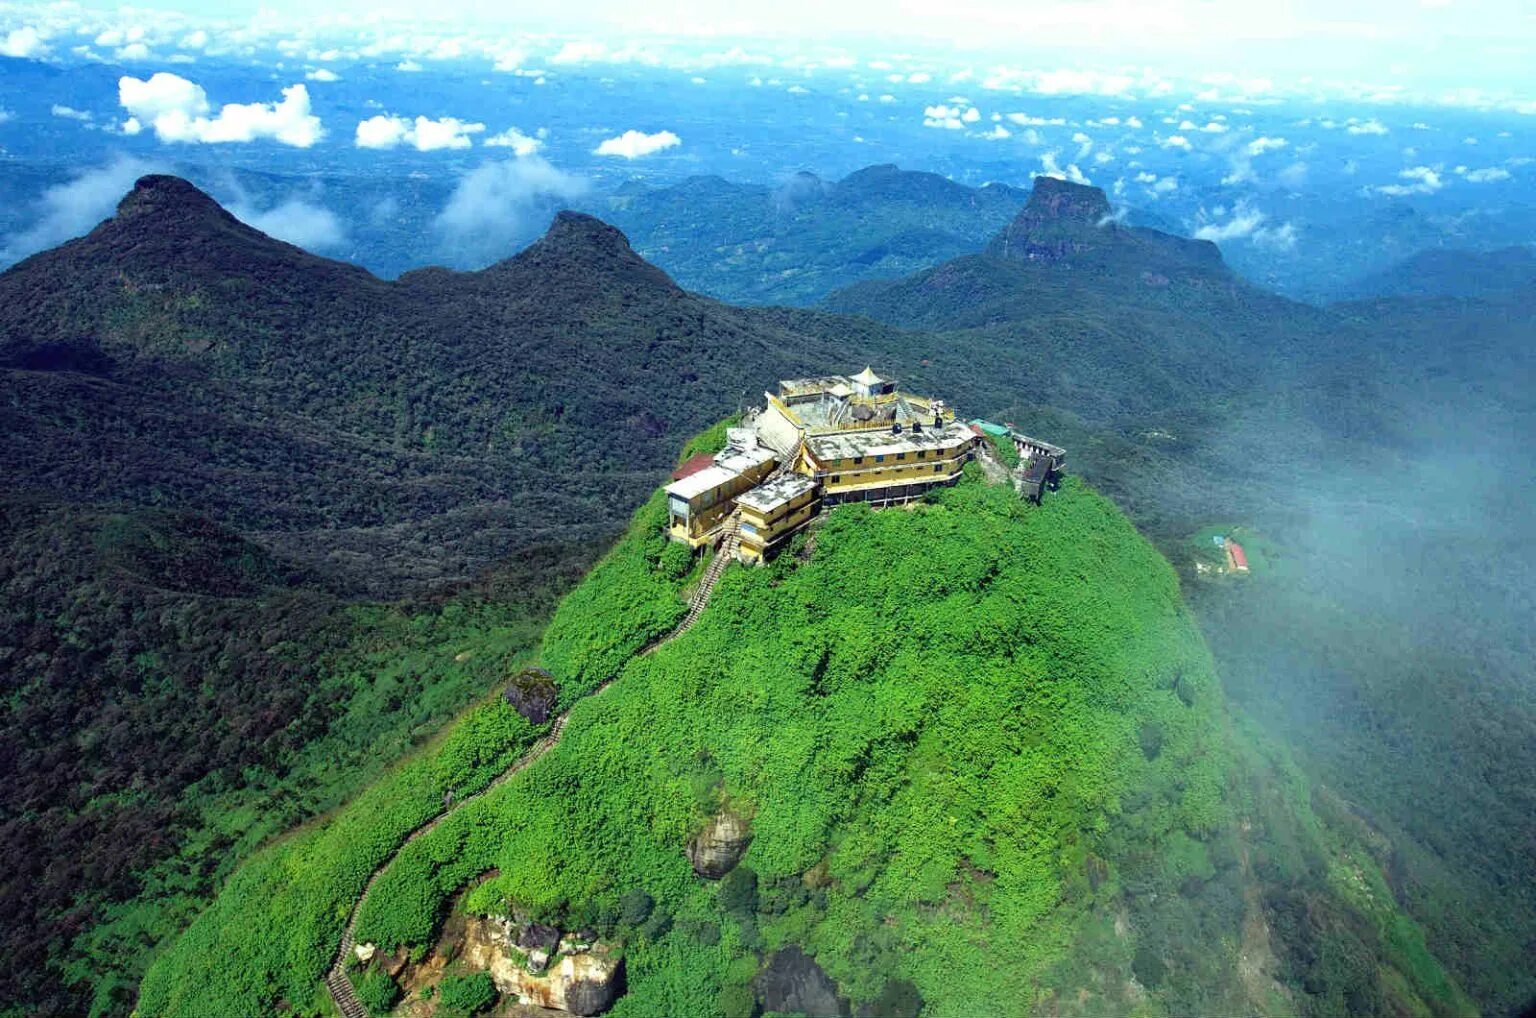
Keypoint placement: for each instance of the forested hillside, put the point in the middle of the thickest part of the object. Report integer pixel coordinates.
(1383, 445)
(984, 762)
(270, 521)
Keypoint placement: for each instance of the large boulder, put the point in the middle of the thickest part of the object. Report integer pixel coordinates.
(532, 693)
(717, 849)
(793, 983)
(586, 982)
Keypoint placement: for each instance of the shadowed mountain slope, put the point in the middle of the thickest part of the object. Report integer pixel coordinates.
(174, 356)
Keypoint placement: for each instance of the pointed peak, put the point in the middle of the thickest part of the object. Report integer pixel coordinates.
(578, 228)
(161, 193)
(577, 244)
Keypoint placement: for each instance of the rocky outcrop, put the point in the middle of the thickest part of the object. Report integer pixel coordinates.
(532, 693)
(585, 977)
(793, 983)
(717, 849)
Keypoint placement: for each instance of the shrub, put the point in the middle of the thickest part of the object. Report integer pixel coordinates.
(466, 994)
(377, 991)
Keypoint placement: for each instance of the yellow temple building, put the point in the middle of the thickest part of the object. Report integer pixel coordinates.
(817, 443)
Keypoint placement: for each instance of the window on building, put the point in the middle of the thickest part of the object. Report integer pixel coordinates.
(937, 467)
(879, 459)
(901, 455)
(857, 460)
(836, 478)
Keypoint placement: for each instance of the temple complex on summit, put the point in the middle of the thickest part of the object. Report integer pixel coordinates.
(821, 442)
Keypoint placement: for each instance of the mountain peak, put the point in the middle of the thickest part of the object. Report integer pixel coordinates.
(578, 228)
(1054, 198)
(162, 196)
(582, 247)
(1066, 222)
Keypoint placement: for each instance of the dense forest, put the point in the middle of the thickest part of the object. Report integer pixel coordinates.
(959, 767)
(270, 522)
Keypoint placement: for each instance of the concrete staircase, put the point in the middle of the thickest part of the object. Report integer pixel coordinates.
(337, 982)
(788, 463)
(700, 600)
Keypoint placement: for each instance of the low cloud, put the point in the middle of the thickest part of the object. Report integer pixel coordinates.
(307, 224)
(1419, 180)
(636, 144)
(953, 118)
(1259, 146)
(1051, 167)
(493, 206)
(73, 208)
(1372, 126)
(1177, 141)
(520, 143)
(1025, 120)
(1487, 175)
(70, 113)
(177, 110)
(423, 134)
(25, 42)
(323, 74)
(1245, 223)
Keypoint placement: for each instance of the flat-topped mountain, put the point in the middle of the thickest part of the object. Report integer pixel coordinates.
(1074, 224)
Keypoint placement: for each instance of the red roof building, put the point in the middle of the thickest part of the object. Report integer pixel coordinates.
(693, 465)
(1237, 556)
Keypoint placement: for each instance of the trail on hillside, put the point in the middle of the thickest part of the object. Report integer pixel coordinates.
(336, 981)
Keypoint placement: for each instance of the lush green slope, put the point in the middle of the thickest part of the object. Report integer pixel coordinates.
(174, 698)
(982, 749)
(274, 926)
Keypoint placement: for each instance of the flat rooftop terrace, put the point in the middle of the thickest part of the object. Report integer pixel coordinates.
(776, 492)
(882, 442)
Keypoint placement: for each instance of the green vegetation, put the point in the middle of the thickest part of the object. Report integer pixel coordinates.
(958, 767)
(210, 708)
(1005, 450)
(272, 930)
(376, 990)
(463, 995)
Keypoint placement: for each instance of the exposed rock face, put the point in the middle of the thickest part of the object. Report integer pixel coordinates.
(539, 942)
(585, 982)
(532, 693)
(793, 983)
(717, 849)
(1074, 224)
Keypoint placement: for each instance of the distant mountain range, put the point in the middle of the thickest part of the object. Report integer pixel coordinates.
(794, 243)
(1451, 273)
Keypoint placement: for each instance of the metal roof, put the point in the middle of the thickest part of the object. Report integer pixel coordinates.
(708, 479)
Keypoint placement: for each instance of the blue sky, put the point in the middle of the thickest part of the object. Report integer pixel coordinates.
(1429, 49)
(1276, 130)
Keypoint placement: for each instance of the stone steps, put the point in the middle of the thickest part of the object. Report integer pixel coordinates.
(336, 980)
